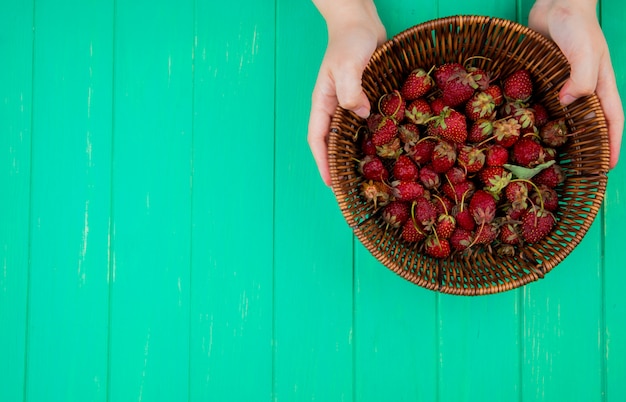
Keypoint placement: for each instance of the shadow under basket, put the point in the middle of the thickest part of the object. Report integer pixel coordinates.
(504, 46)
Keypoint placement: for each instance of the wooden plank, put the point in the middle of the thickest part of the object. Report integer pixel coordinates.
(16, 18)
(396, 334)
(479, 337)
(613, 14)
(71, 149)
(151, 201)
(233, 173)
(313, 261)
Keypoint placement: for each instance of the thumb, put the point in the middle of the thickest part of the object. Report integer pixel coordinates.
(583, 76)
(350, 94)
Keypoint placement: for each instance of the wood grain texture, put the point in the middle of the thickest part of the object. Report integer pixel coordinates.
(138, 261)
(232, 202)
(16, 42)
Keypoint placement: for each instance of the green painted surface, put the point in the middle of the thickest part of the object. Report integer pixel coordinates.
(165, 235)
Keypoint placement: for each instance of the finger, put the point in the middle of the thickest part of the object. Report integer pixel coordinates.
(612, 107)
(323, 106)
(349, 90)
(583, 78)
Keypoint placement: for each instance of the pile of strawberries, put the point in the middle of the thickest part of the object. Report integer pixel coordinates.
(460, 161)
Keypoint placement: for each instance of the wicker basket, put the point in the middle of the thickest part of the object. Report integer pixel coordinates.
(506, 46)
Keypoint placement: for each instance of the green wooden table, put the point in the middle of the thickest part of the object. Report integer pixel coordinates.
(165, 235)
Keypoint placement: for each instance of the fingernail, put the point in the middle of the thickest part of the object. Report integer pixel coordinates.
(567, 99)
(362, 112)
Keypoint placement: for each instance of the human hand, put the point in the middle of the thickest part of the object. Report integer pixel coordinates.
(574, 27)
(353, 35)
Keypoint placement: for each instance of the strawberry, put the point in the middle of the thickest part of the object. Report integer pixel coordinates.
(487, 233)
(546, 196)
(438, 248)
(429, 178)
(495, 179)
(471, 158)
(437, 105)
(554, 133)
(541, 114)
(445, 226)
(464, 218)
(524, 115)
(385, 132)
(417, 84)
(480, 106)
(392, 105)
(390, 150)
(506, 132)
(518, 86)
(537, 224)
(418, 111)
(407, 190)
(482, 206)
(551, 176)
(480, 130)
(496, 155)
(373, 121)
(480, 77)
(367, 146)
(510, 233)
(517, 194)
(445, 72)
(496, 93)
(456, 175)
(412, 232)
(422, 151)
(443, 157)
(457, 91)
(449, 125)
(425, 212)
(460, 239)
(458, 191)
(404, 169)
(396, 213)
(408, 133)
(372, 168)
(526, 152)
(442, 204)
(376, 192)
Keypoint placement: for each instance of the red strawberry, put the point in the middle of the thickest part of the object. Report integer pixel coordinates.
(460, 239)
(496, 93)
(412, 232)
(443, 157)
(438, 248)
(445, 226)
(554, 133)
(367, 146)
(494, 179)
(496, 155)
(517, 194)
(459, 191)
(443, 204)
(385, 132)
(392, 105)
(456, 175)
(407, 190)
(372, 168)
(486, 233)
(404, 169)
(422, 151)
(396, 213)
(518, 86)
(482, 206)
(464, 218)
(541, 114)
(418, 111)
(547, 197)
(551, 176)
(480, 130)
(437, 105)
(480, 77)
(480, 106)
(537, 224)
(376, 192)
(457, 91)
(417, 84)
(373, 121)
(429, 178)
(506, 132)
(445, 72)
(449, 125)
(510, 233)
(526, 152)
(524, 115)
(471, 158)
(425, 212)
(408, 133)
(390, 150)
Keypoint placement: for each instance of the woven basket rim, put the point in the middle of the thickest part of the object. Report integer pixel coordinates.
(462, 276)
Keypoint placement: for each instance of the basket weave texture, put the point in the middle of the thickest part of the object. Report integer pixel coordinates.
(505, 46)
